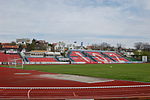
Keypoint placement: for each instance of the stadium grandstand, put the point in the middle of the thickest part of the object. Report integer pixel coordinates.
(72, 56)
(12, 51)
(96, 56)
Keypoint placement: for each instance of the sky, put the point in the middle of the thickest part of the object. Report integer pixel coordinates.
(87, 21)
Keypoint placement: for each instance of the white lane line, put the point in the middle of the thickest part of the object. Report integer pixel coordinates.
(28, 94)
(100, 87)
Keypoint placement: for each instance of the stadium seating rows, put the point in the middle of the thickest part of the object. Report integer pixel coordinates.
(98, 57)
(8, 57)
(75, 56)
(112, 54)
(95, 56)
(115, 56)
(82, 59)
(31, 59)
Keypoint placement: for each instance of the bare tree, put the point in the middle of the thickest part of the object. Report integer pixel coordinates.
(102, 46)
(142, 46)
(119, 46)
(96, 47)
(138, 45)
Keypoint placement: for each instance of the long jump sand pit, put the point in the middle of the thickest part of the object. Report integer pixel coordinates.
(78, 78)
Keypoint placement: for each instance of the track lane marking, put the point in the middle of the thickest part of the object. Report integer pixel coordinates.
(103, 87)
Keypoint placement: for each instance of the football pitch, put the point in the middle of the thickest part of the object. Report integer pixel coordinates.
(131, 72)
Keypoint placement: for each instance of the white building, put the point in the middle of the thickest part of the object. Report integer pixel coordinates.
(71, 46)
(60, 46)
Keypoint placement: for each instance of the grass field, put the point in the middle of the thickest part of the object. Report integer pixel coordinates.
(132, 72)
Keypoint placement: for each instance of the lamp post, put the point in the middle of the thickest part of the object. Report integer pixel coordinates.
(139, 51)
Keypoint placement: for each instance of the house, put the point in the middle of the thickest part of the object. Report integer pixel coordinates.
(71, 46)
(23, 41)
(59, 47)
(89, 47)
(9, 48)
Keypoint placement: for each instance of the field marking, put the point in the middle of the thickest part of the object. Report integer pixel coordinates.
(22, 73)
(101, 87)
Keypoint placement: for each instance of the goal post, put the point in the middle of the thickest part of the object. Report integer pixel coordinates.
(16, 63)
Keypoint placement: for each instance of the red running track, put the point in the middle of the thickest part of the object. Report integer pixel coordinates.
(16, 85)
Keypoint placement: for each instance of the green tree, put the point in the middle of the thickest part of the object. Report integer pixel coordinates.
(31, 46)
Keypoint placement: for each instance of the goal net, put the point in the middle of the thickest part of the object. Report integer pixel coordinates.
(15, 63)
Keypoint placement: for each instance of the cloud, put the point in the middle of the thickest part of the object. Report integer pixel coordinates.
(82, 20)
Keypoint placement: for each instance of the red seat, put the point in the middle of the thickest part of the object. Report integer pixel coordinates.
(116, 57)
(8, 57)
(42, 59)
(98, 57)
